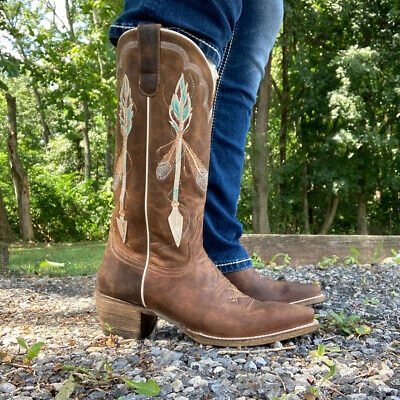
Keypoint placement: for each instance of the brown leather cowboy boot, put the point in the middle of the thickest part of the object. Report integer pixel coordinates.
(154, 264)
(259, 287)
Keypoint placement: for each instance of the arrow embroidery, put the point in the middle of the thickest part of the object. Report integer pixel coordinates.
(180, 113)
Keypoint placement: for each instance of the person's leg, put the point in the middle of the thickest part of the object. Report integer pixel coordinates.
(240, 75)
(208, 23)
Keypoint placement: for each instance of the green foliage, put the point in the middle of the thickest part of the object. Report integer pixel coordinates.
(66, 209)
(315, 390)
(61, 65)
(371, 301)
(103, 377)
(341, 136)
(146, 388)
(257, 261)
(280, 256)
(328, 261)
(348, 324)
(31, 351)
(377, 250)
(322, 354)
(396, 256)
(353, 259)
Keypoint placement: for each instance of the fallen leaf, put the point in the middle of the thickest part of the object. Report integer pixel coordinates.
(67, 389)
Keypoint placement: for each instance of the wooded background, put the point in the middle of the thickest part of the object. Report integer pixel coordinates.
(323, 151)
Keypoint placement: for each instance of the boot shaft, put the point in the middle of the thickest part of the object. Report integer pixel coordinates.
(165, 94)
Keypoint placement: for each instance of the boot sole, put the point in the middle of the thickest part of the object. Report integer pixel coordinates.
(254, 340)
(131, 321)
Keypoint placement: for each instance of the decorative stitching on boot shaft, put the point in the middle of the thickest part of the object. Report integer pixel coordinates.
(126, 113)
(180, 113)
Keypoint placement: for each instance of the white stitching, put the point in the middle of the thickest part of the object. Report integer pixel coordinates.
(200, 40)
(146, 192)
(221, 71)
(233, 262)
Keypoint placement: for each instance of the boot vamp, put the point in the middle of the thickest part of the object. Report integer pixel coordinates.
(265, 289)
(198, 297)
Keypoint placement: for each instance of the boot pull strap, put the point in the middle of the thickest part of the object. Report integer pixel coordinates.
(149, 53)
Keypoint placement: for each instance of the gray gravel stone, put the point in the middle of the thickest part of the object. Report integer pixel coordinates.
(61, 313)
(6, 387)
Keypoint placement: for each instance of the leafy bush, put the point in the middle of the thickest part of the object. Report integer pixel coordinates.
(64, 208)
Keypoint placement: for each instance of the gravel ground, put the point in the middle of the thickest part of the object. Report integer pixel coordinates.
(60, 313)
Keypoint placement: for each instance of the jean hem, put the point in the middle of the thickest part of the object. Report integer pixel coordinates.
(234, 266)
(116, 30)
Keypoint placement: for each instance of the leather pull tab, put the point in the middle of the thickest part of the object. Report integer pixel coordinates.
(149, 51)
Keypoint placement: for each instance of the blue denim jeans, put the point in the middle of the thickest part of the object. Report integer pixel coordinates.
(237, 35)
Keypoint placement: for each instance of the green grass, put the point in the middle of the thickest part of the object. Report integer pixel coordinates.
(56, 259)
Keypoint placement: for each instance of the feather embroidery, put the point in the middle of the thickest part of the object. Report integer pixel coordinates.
(126, 114)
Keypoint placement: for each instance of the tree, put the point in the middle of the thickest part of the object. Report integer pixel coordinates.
(260, 154)
(18, 173)
(333, 121)
(323, 154)
(66, 66)
(6, 233)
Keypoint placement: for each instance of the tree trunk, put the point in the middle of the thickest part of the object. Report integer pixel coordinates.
(6, 233)
(109, 159)
(70, 14)
(259, 155)
(333, 202)
(306, 213)
(19, 176)
(362, 225)
(86, 140)
(285, 95)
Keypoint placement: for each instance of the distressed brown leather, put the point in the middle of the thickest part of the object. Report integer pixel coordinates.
(259, 287)
(180, 283)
